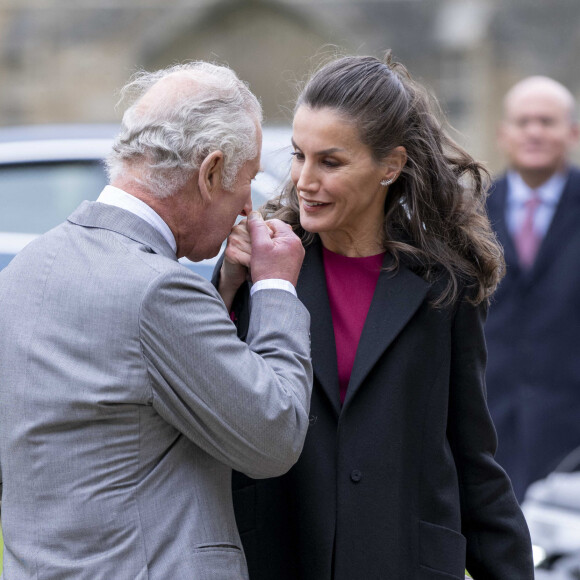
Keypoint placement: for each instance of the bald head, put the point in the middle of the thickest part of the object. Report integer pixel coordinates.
(538, 88)
(168, 93)
(538, 130)
(193, 87)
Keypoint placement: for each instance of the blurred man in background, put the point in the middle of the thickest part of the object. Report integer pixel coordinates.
(126, 397)
(533, 328)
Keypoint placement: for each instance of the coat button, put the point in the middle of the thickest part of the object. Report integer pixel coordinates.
(355, 475)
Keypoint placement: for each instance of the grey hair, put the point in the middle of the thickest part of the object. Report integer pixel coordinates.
(166, 142)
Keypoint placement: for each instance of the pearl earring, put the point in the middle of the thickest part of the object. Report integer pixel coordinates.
(386, 181)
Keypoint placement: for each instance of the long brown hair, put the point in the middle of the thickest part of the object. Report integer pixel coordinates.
(435, 216)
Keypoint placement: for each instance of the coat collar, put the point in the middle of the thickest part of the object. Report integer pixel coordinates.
(397, 297)
(99, 215)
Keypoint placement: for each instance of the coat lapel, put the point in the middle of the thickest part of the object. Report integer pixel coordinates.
(397, 297)
(311, 290)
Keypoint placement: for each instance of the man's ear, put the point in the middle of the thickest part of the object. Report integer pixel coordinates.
(210, 175)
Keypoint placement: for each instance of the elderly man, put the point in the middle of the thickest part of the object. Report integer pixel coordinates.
(125, 396)
(533, 372)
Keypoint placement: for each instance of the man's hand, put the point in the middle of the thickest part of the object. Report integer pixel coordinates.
(276, 251)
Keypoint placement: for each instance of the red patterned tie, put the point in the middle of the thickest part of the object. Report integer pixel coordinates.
(527, 239)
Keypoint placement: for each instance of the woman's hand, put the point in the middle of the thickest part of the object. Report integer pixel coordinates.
(235, 268)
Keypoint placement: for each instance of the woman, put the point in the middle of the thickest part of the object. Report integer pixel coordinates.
(397, 478)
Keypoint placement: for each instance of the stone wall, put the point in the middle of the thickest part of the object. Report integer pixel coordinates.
(64, 60)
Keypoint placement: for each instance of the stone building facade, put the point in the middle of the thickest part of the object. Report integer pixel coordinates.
(64, 60)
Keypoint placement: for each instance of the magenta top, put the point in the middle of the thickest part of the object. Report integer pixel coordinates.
(350, 283)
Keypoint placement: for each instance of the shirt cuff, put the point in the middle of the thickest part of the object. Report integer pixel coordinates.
(273, 284)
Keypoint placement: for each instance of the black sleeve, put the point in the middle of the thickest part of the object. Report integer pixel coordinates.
(498, 541)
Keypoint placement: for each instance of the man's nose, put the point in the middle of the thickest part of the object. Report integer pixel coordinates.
(247, 210)
(535, 128)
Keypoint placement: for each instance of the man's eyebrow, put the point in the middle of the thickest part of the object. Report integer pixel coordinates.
(323, 152)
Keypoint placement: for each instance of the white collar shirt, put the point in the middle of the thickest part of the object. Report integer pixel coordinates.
(114, 196)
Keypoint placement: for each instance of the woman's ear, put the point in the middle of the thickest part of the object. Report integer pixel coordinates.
(211, 174)
(394, 163)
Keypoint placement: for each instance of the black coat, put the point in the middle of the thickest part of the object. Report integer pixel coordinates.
(533, 336)
(400, 483)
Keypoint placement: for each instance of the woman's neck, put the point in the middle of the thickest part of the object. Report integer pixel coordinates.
(351, 247)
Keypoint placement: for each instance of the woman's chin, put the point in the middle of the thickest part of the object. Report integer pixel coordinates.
(311, 228)
(312, 225)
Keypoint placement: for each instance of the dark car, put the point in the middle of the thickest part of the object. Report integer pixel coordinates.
(46, 171)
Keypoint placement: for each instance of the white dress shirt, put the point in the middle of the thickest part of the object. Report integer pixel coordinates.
(117, 197)
(519, 193)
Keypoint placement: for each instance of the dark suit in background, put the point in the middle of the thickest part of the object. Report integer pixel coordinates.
(533, 338)
(533, 328)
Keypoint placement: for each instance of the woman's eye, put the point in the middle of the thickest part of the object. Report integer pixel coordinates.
(330, 162)
(297, 155)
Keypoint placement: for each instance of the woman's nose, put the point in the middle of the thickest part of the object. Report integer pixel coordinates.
(307, 179)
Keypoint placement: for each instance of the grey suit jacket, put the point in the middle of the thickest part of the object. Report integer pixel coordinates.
(126, 399)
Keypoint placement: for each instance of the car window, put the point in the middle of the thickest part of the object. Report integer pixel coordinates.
(46, 172)
(36, 197)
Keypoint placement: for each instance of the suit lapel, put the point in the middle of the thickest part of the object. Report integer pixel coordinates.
(565, 219)
(311, 290)
(397, 297)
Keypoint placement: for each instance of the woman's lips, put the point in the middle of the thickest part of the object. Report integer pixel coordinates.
(312, 206)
